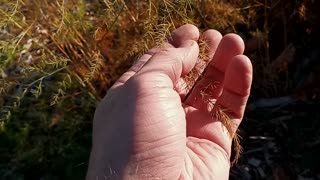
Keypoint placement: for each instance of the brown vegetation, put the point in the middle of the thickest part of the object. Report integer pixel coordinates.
(58, 58)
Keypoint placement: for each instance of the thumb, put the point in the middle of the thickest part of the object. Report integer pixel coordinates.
(173, 62)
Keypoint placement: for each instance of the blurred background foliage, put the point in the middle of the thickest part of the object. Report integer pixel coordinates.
(58, 59)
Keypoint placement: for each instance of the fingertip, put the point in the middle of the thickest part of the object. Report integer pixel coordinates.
(239, 75)
(183, 33)
(211, 39)
(243, 63)
(235, 41)
(190, 49)
(211, 35)
(230, 46)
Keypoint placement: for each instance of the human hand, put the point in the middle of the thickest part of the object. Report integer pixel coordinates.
(147, 127)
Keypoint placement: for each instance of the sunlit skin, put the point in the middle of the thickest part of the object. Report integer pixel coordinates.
(144, 128)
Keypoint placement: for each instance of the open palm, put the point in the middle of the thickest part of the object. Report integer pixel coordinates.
(147, 127)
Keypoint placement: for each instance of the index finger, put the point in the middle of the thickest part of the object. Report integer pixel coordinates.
(177, 38)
